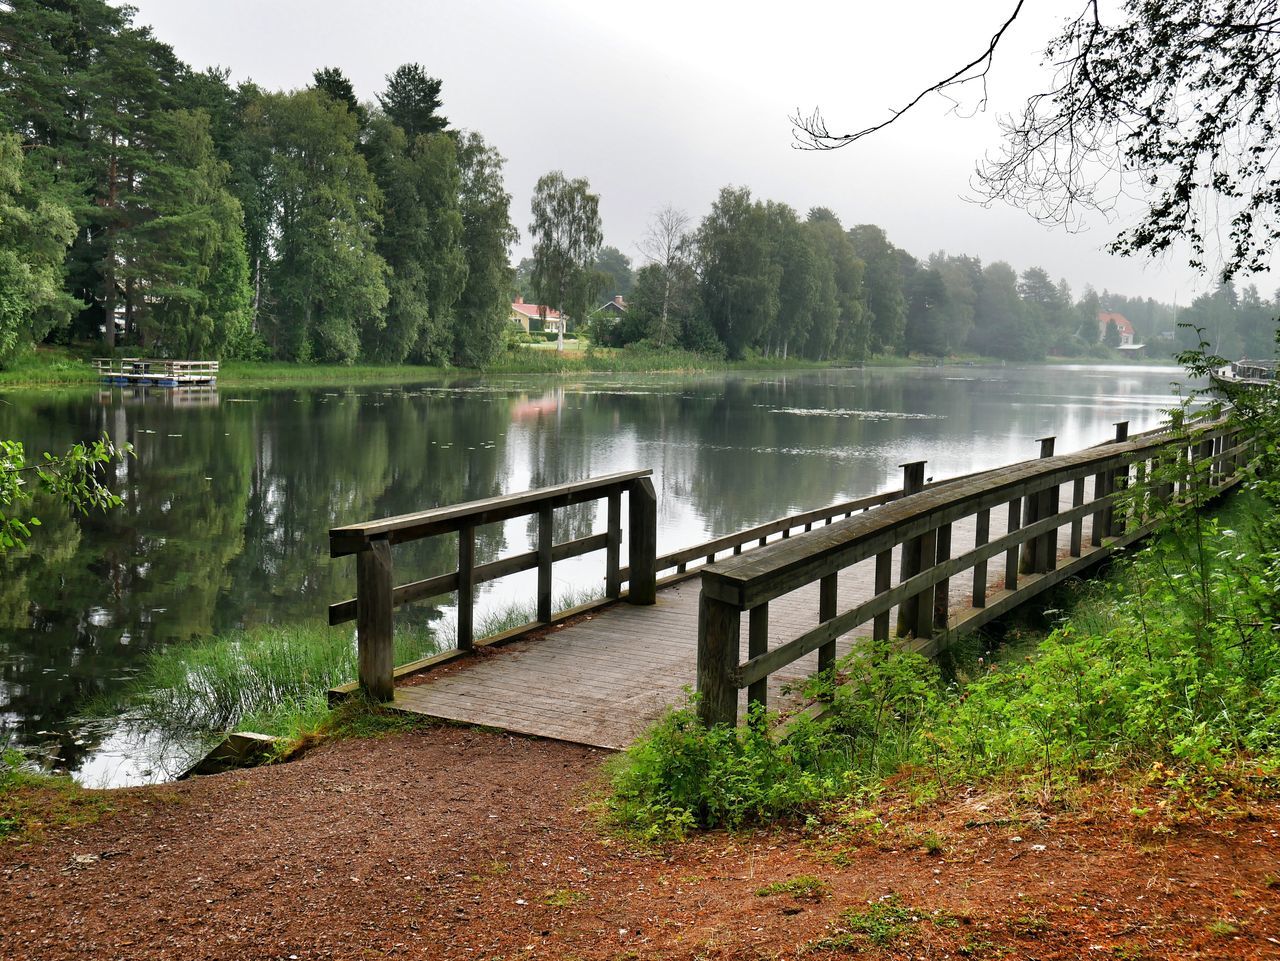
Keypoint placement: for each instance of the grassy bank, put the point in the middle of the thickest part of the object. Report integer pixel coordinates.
(1168, 670)
(49, 367)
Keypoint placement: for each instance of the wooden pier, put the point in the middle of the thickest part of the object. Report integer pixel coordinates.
(923, 564)
(136, 372)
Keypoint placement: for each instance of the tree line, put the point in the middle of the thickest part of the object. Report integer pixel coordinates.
(144, 199)
(755, 277)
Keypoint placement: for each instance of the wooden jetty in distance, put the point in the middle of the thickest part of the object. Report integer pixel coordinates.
(137, 372)
(922, 564)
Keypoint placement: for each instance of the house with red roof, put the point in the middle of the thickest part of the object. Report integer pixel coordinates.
(535, 317)
(1107, 317)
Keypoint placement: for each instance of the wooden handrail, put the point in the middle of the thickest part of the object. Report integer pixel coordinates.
(377, 595)
(920, 523)
(353, 538)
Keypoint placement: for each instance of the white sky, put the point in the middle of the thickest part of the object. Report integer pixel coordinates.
(666, 102)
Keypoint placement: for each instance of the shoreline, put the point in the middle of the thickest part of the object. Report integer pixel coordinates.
(59, 369)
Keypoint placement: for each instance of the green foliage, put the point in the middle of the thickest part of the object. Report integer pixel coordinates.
(326, 282)
(77, 478)
(802, 887)
(31, 801)
(265, 677)
(35, 229)
(566, 240)
(1169, 669)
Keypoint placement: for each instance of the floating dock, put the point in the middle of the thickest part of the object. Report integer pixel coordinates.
(136, 372)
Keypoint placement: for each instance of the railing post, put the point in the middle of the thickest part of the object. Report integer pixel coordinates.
(1035, 549)
(827, 588)
(374, 620)
(1011, 555)
(1116, 517)
(1047, 548)
(643, 542)
(884, 580)
(546, 540)
(981, 536)
(466, 586)
(757, 644)
(1077, 525)
(613, 550)
(719, 625)
(912, 562)
(942, 590)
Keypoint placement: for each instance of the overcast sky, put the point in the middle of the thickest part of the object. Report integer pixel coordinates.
(667, 101)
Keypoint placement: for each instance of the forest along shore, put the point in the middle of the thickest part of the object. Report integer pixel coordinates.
(446, 843)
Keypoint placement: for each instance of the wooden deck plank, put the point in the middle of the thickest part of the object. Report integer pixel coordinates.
(605, 679)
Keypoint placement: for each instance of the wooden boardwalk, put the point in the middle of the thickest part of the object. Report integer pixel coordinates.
(606, 678)
(933, 553)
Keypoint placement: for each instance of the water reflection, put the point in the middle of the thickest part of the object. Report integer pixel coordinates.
(229, 498)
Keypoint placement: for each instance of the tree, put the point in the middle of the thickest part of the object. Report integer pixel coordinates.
(412, 101)
(184, 266)
(487, 236)
(35, 230)
(928, 308)
(882, 284)
(334, 84)
(326, 283)
(666, 244)
(852, 322)
(421, 242)
(566, 239)
(1176, 99)
(740, 276)
(1112, 336)
(614, 268)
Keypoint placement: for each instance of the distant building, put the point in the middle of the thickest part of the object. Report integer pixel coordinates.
(611, 310)
(535, 317)
(1106, 317)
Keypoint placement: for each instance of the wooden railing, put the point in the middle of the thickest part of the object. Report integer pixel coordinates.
(377, 594)
(917, 522)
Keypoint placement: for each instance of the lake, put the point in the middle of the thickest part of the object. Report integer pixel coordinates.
(230, 495)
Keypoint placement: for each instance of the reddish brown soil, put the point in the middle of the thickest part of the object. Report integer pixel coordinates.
(450, 843)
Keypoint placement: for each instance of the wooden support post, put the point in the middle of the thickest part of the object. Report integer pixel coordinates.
(613, 550)
(923, 626)
(375, 630)
(1035, 553)
(1101, 521)
(1113, 519)
(643, 542)
(826, 611)
(912, 560)
(466, 587)
(1077, 525)
(1011, 555)
(718, 638)
(1047, 549)
(757, 644)
(884, 580)
(546, 540)
(942, 590)
(981, 536)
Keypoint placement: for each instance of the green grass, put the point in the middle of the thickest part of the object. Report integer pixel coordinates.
(881, 923)
(271, 679)
(803, 887)
(46, 367)
(31, 803)
(1168, 671)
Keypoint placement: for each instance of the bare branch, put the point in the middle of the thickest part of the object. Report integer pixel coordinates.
(811, 132)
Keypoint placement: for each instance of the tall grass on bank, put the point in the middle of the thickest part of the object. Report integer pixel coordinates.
(1170, 669)
(270, 679)
(275, 679)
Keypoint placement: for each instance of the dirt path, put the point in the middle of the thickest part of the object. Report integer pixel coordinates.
(450, 843)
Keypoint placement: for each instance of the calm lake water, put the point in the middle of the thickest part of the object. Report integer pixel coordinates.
(230, 496)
